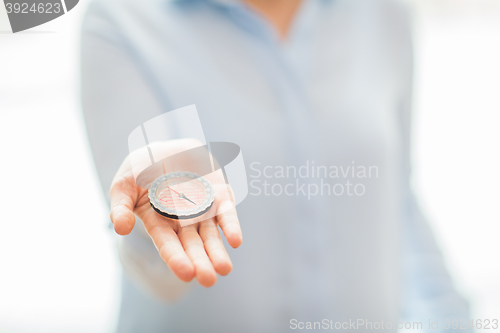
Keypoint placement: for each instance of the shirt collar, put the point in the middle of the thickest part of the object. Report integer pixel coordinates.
(224, 3)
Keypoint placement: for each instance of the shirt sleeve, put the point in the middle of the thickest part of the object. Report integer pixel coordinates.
(116, 98)
(428, 290)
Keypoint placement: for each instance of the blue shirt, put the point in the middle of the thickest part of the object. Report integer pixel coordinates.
(335, 96)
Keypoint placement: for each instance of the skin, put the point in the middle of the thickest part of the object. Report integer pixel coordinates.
(280, 13)
(194, 251)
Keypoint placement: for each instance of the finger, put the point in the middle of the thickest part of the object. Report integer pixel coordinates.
(229, 223)
(217, 253)
(170, 249)
(123, 200)
(193, 245)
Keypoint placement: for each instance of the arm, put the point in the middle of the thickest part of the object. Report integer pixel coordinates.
(116, 97)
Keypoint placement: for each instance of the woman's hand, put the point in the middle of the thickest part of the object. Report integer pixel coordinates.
(192, 251)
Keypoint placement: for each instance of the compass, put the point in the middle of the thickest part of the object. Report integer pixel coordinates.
(181, 195)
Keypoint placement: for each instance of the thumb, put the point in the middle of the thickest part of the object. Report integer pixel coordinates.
(123, 200)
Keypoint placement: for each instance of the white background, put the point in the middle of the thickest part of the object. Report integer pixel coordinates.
(457, 128)
(58, 268)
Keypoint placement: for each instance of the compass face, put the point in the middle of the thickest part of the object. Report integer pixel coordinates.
(181, 195)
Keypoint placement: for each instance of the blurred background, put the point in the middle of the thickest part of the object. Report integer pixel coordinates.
(58, 268)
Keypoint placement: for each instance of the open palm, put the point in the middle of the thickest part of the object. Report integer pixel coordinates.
(192, 251)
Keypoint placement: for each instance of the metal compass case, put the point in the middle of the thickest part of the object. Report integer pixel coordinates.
(181, 195)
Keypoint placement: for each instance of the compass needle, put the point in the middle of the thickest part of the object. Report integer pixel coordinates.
(184, 197)
(173, 203)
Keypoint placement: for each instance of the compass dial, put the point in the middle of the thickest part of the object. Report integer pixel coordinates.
(181, 195)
